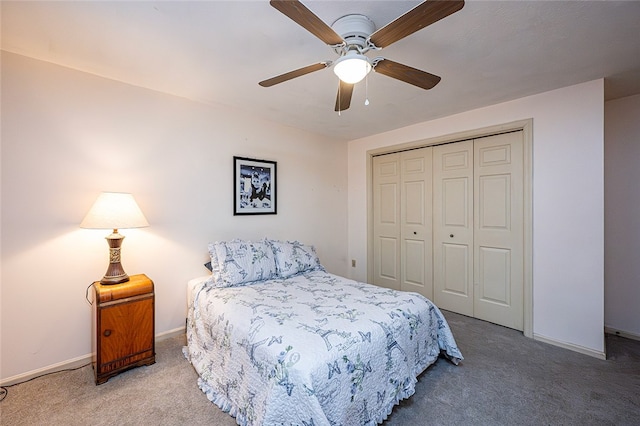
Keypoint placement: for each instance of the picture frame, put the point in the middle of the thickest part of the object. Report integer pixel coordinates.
(254, 186)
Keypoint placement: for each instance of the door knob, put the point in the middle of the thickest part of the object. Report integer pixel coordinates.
(415, 233)
(450, 235)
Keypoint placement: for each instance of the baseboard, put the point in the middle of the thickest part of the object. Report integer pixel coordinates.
(78, 362)
(571, 347)
(622, 333)
(53, 368)
(170, 333)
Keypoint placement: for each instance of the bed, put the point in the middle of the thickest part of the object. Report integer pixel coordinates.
(275, 339)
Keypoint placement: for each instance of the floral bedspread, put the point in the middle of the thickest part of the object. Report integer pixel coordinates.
(313, 349)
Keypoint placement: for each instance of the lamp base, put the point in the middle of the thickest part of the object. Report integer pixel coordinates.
(110, 280)
(115, 272)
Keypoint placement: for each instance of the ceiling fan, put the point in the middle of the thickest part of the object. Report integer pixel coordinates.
(352, 36)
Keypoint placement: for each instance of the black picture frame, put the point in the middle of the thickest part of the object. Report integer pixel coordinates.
(254, 186)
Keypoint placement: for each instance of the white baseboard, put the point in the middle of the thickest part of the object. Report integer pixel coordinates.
(571, 347)
(78, 362)
(622, 333)
(53, 368)
(170, 333)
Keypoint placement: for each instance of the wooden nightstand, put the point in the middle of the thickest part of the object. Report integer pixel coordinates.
(123, 324)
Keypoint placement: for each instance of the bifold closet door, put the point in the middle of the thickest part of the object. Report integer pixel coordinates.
(449, 224)
(416, 246)
(402, 223)
(478, 228)
(386, 220)
(499, 229)
(453, 226)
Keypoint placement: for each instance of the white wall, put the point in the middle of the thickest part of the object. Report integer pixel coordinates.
(622, 216)
(568, 204)
(68, 135)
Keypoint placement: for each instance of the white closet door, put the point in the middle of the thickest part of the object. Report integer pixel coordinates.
(499, 229)
(416, 229)
(386, 220)
(449, 224)
(453, 226)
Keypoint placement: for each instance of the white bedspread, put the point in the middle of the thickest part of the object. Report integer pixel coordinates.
(313, 349)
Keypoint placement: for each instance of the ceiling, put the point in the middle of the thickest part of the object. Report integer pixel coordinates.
(216, 52)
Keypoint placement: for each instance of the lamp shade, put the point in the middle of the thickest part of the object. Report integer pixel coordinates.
(114, 210)
(352, 67)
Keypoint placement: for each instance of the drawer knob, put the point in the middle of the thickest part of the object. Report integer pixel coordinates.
(107, 333)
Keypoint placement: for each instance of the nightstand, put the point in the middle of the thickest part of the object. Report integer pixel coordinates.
(123, 326)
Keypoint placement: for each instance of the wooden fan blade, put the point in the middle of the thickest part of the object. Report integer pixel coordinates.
(407, 74)
(343, 100)
(293, 74)
(299, 13)
(424, 14)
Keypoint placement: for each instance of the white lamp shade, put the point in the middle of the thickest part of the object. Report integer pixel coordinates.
(114, 210)
(352, 67)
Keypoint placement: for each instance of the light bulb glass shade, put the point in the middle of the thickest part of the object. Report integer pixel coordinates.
(352, 67)
(114, 210)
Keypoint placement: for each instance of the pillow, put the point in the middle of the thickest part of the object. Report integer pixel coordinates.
(214, 266)
(293, 257)
(241, 262)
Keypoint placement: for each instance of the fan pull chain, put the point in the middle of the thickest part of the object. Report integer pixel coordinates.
(366, 90)
(339, 98)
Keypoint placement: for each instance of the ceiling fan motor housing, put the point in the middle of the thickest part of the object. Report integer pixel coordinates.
(355, 29)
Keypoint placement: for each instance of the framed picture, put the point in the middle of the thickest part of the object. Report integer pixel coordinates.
(254, 186)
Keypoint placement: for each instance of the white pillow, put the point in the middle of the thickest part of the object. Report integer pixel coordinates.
(215, 279)
(240, 262)
(293, 257)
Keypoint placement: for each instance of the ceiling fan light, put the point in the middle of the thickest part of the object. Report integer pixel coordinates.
(352, 67)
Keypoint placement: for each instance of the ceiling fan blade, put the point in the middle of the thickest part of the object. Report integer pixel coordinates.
(308, 20)
(293, 74)
(343, 100)
(407, 74)
(424, 14)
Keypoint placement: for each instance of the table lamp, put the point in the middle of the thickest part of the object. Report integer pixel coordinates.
(114, 210)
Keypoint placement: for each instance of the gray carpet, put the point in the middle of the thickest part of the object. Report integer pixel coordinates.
(505, 379)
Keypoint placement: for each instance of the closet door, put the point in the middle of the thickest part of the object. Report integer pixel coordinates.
(416, 249)
(386, 220)
(499, 229)
(449, 224)
(453, 226)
